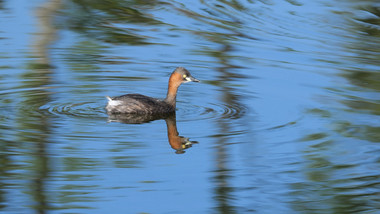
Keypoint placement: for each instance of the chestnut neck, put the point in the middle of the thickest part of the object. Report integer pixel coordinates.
(175, 81)
(173, 138)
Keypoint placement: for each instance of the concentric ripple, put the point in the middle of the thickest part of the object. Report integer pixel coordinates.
(82, 109)
(190, 112)
(185, 112)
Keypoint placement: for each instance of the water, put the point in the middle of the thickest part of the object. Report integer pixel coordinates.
(285, 120)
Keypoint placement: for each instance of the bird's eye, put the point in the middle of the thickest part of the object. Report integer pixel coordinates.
(184, 76)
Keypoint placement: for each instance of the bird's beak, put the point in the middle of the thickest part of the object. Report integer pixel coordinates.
(191, 79)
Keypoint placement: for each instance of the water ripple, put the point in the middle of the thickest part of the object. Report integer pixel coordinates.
(207, 111)
(187, 112)
(82, 109)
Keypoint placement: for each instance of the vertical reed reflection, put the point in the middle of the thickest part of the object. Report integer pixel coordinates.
(37, 126)
(364, 80)
(224, 190)
(223, 172)
(348, 186)
(93, 19)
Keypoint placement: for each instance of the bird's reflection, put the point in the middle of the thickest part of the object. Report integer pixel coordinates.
(178, 143)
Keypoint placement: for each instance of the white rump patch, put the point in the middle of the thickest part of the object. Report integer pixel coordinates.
(112, 102)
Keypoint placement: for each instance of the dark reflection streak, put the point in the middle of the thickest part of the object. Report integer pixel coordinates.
(5, 163)
(364, 79)
(223, 173)
(351, 192)
(94, 19)
(367, 51)
(38, 126)
(223, 189)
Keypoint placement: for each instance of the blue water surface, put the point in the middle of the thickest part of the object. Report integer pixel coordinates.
(285, 119)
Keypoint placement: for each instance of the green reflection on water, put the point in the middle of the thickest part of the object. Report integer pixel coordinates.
(366, 80)
(332, 184)
(225, 202)
(99, 19)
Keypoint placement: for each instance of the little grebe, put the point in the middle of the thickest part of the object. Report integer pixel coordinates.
(140, 104)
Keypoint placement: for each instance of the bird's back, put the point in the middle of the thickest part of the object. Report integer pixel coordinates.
(137, 104)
